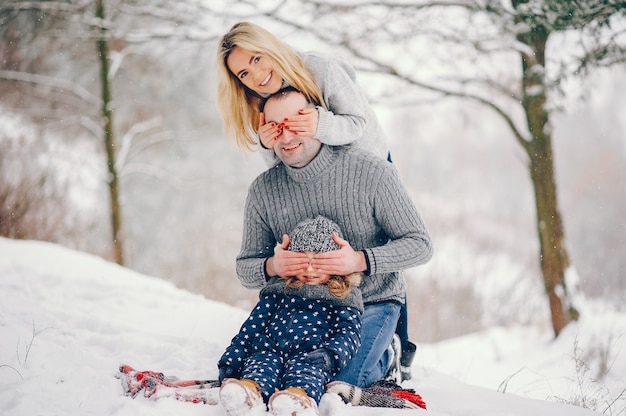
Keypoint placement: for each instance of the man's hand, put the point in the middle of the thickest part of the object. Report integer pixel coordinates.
(340, 262)
(285, 263)
(304, 124)
(268, 133)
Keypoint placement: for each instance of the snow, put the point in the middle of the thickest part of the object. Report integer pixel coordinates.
(69, 319)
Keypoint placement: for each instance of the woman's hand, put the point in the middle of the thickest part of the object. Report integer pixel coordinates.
(268, 133)
(304, 124)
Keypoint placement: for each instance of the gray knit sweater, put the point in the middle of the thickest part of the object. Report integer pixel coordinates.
(362, 193)
(348, 117)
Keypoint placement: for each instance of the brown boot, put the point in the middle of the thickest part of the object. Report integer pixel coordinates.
(292, 401)
(241, 397)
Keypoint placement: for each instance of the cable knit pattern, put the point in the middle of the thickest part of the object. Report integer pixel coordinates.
(362, 193)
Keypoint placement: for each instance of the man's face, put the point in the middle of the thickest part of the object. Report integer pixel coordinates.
(293, 150)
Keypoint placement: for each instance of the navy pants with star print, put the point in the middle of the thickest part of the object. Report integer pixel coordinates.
(270, 371)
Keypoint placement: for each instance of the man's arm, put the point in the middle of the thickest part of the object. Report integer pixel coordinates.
(260, 257)
(408, 244)
(257, 244)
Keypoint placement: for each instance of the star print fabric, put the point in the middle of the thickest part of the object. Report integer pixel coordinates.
(281, 330)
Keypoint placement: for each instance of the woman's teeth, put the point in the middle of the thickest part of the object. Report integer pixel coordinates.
(266, 80)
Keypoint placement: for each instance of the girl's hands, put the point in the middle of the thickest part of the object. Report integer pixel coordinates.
(286, 263)
(304, 124)
(268, 133)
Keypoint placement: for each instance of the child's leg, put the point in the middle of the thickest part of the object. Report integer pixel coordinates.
(264, 368)
(303, 375)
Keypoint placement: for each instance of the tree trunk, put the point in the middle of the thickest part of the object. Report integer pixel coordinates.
(109, 140)
(553, 255)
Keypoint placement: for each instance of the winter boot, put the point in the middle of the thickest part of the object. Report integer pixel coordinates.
(406, 360)
(394, 373)
(241, 397)
(380, 394)
(292, 401)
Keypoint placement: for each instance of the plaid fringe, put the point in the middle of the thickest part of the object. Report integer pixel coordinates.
(156, 385)
(380, 394)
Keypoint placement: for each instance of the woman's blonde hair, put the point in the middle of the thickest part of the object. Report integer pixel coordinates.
(239, 105)
(338, 286)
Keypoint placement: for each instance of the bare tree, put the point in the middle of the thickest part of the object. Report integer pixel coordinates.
(56, 15)
(31, 200)
(86, 22)
(496, 53)
(109, 137)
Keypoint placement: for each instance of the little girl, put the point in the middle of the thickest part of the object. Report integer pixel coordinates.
(253, 64)
(301, 333)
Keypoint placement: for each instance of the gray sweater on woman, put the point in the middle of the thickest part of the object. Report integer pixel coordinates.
(362, 193)
(348, 116)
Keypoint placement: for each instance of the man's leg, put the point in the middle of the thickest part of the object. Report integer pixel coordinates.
(370, 364)
(408, 347)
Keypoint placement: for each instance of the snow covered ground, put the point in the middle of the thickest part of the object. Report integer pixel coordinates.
(68, 319)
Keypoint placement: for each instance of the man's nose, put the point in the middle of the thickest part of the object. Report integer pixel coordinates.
(286, 135)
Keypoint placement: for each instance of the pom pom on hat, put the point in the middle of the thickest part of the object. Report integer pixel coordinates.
(314, 235)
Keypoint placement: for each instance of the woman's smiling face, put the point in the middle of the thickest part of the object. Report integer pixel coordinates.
(254, 70)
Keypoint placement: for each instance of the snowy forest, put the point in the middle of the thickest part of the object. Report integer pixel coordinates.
(505, 117)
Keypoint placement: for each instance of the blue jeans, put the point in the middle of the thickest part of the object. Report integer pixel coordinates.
(371, 362)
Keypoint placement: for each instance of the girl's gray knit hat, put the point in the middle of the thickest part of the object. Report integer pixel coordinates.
(314, 235)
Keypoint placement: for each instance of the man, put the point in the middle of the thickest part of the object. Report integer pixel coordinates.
(364, 195)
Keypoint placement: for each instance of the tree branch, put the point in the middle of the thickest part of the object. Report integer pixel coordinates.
(57, 83)
(390, 70)
(469, 4)
(127, 139)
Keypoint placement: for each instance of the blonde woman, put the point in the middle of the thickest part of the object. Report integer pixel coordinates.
(252, 64)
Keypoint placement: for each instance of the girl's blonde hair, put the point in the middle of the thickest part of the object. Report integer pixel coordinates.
(338, 286)
(239, 105)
